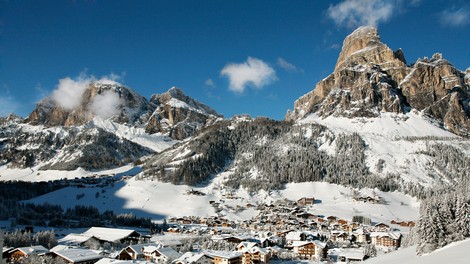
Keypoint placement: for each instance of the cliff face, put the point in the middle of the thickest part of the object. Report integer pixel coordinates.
(370, 78)
(179, 115)
(128, 108)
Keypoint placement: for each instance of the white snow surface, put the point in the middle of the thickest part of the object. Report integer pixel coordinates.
(156, 142)
(455, 253)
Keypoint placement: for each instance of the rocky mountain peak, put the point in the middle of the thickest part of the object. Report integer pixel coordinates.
(363, 47)
(106, 99)
(178, 114)
(370, 78)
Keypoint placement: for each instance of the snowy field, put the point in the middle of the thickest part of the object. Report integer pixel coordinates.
(161, 200)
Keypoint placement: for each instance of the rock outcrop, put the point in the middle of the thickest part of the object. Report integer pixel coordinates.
(172, 113)
(370, 78)
(129, 108)
(179, 115)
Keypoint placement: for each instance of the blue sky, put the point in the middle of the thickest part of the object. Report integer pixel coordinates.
(253, 57)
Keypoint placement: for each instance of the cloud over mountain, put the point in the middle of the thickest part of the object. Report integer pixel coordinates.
(106, 105)
(253, 71)
(68, 94)
(354, 13)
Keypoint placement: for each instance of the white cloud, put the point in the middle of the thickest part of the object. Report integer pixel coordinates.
(106, 105)
(69, 92)
(254, 72)
(455, 17)
(210, 83)
(354, 13)
(287, 66)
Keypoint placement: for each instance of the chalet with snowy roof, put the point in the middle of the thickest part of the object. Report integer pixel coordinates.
(304, 201)
(224, 257)
(255, 255)
(310, 249)
(77, 255)
(160, 255)
(246, 245)
(193, 258)
(18, 254)
(381, 227)
(351, 255)
(133, 251)
(386, 239)
(361, 235)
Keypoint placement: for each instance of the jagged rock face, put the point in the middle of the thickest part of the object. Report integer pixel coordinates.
(441, 91)
(129, 110)
(431, 80)
(363, 82)
(179, 115)
(370, 78)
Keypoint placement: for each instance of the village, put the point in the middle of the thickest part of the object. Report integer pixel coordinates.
(283, 230)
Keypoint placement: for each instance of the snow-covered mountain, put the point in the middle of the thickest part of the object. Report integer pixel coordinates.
(109, 125)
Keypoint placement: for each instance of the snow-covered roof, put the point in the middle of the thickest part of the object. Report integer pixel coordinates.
(138, 248)
(189, 257)
(74, 239)
(115, 261)
(222, 254)
(246, 245)
(303, 243)
(6, 249)
(78, 254)
(352, 253)
(109, 234)
(59, 247)
(256, 249)
(294, 235)
(169, 253)
(393, 235)
(33, 250)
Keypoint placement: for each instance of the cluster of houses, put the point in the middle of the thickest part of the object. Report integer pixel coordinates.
(283, 230)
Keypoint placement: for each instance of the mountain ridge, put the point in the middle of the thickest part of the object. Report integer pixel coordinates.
(370, 78)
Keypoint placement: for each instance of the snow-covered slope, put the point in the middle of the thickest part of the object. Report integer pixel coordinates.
(455, 253)
(157, 200)
(398, 140)
(156, 142)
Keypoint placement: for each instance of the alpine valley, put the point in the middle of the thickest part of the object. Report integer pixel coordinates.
(379, 140)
